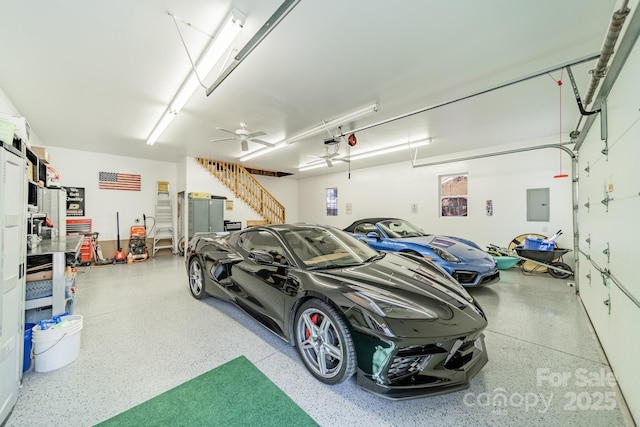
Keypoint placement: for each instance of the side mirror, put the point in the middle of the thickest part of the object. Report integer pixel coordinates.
(261, 257)
(373, 235)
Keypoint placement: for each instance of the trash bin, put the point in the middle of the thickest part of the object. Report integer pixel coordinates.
(26, 360)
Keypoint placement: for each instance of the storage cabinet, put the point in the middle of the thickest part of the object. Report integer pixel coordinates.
(13, 238)
(206, 215)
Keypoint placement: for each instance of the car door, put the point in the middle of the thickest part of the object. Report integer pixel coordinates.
(260, 288)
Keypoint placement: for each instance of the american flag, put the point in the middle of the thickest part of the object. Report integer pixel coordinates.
(118, 181)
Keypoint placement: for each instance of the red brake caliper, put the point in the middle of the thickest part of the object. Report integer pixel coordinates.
(314, 319)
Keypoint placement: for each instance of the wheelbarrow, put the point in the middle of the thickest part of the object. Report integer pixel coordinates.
(549, 259)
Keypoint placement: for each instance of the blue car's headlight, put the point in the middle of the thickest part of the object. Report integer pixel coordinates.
(391, 306)
(445, 255)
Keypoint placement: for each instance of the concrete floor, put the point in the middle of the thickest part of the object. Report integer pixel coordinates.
(144, 333)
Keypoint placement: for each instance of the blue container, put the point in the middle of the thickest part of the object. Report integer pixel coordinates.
(26, 362)
(537, 244)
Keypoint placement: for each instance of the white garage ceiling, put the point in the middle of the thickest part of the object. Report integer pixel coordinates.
(97, 76)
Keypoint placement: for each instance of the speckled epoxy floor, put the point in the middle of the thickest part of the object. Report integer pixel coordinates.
(144, 334)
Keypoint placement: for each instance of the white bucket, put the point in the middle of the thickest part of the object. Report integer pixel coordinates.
(57, 346)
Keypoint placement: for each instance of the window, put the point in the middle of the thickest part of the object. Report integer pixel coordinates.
(453, 195)
(332, 201)
(264, 241)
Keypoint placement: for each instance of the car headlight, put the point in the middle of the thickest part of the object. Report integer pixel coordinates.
(392, 307)
(445, 255)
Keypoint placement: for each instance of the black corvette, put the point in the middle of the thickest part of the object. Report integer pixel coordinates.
(401, 323)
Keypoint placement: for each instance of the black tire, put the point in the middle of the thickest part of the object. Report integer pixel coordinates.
(324, 342)
(560, 274)
(196, 279)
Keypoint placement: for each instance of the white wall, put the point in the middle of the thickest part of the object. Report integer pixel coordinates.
(80, 169)
(6, 106)
(391, 191)
(618, 226)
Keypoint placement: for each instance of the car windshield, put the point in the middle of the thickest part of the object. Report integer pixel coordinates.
(319, 247)
(399, 228)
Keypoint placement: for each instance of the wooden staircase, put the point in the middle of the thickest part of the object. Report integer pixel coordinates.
(246, 188)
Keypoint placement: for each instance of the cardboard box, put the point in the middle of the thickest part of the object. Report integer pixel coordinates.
(199, 195)
(41, 275)
(42, 154)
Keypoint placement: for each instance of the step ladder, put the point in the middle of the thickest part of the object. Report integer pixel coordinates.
(163, 228)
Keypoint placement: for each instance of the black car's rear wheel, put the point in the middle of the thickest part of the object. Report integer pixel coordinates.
(324, 342)
(196, 279)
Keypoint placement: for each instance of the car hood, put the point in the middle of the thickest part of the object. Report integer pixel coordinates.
(417, 282)
(461, 250)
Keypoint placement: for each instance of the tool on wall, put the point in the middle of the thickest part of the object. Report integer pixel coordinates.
(119, 257)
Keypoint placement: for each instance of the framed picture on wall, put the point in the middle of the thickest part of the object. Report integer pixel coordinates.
(75, 201)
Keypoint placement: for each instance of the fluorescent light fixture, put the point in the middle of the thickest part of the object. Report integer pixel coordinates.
(210, 57)
(392, 149)
(315, 130)
(377, 152)
(316, 166)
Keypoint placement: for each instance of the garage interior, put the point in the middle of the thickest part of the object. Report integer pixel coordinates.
(516, 97)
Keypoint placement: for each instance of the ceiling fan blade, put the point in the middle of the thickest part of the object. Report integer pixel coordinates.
(226, 130)
(256, 133)
(244, 144)
(222, 139)
(259, 141)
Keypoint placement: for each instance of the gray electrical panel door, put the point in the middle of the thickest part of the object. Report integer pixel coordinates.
(538, 204)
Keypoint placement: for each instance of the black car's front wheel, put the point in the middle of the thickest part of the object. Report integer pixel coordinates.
(324, 342)
(196, 279)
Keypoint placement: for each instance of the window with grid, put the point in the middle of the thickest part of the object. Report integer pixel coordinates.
(332, 201)
(453, 195)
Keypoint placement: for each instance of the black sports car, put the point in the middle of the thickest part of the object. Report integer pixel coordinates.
(400, 322)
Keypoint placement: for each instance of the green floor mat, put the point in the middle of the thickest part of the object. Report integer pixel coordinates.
(234, 394)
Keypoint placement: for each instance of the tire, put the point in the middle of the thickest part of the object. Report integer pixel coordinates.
(560, 274)
(324, 342)
(196, 279)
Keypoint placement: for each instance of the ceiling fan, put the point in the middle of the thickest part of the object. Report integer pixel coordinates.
(329, 156)
(244, 135)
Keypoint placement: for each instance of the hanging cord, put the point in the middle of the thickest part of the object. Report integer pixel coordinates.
(559, 83)
(193, 65)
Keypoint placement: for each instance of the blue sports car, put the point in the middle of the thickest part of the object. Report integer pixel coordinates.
(461, 258)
